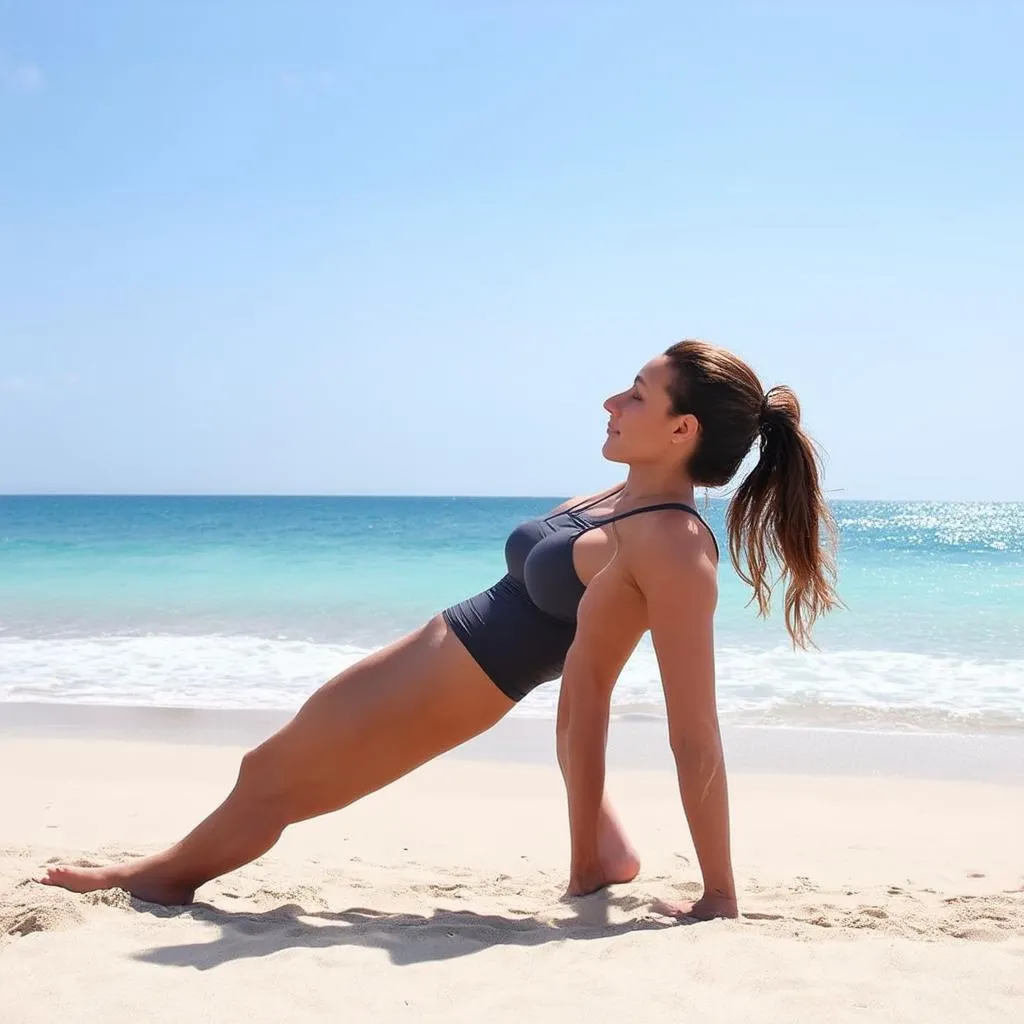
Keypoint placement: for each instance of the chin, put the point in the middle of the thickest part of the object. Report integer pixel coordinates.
(608, 449)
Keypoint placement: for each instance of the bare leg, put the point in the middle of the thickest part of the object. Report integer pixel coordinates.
(368, 726)
(619, 859)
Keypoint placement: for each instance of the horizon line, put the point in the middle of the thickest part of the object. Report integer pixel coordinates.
(439, 496)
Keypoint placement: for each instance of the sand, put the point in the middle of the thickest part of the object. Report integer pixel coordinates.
(864, 896)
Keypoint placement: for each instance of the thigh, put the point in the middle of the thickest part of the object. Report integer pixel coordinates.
(381, 718)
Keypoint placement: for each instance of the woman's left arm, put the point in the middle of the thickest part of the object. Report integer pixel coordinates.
(677, 577)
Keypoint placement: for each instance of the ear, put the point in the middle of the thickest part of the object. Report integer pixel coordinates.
(686, 428)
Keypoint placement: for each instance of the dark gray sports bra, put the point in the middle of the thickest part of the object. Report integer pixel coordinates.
(538, 554)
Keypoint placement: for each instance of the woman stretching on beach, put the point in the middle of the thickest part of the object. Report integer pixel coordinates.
(584, 584)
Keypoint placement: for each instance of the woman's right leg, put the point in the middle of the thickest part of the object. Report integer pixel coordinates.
(368, 726)
(371, 724)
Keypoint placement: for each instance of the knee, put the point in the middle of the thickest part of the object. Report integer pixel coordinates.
(262, 782)
(695, 746)
(250, 769)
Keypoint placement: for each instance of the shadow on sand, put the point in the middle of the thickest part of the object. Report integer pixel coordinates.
(407, 938)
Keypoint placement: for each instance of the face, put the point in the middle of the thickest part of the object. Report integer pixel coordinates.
(641, 425)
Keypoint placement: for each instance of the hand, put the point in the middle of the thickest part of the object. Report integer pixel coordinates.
(705, 909)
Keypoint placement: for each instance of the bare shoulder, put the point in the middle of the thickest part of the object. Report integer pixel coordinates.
(581, 499)
(668, 551)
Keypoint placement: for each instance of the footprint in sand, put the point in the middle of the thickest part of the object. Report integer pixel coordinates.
(878, 912)
(27, 918)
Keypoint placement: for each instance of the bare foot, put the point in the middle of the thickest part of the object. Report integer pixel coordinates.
(620, 868)
(704, 909)
(615, 868)
(617, 859)
(118, 877)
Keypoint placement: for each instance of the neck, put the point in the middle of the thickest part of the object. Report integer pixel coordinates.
(664, 483)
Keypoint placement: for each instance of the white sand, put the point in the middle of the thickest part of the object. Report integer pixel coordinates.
(440, 899)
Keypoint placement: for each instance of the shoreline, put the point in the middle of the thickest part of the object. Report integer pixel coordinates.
(635, 743)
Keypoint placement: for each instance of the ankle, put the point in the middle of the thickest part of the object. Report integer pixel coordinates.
(721, 890)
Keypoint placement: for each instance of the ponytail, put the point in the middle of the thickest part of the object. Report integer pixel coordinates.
(779, 514)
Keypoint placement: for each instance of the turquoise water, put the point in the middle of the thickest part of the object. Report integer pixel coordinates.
(251, 602)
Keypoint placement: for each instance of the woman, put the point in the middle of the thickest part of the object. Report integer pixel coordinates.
(688, 421)
(644, 559)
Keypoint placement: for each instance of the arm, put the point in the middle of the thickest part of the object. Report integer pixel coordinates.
(609, 626)
(586, 741)
(676, 576)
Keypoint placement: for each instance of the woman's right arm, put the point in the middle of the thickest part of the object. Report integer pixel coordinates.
(610, 624)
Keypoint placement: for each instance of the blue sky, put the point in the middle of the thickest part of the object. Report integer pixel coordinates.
(410, 247)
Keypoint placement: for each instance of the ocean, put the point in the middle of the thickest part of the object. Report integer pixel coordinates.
(247, 602)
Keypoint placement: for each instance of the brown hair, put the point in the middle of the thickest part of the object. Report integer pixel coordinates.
(778, 513)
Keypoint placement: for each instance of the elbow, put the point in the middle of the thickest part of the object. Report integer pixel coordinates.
(588, 706)
(585, 697)
(587, 709)
(696, 743)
